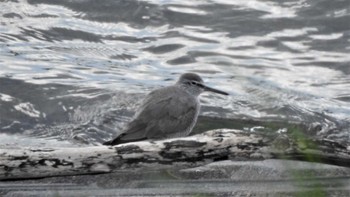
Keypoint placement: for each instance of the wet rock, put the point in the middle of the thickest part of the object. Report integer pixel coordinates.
(224, 178)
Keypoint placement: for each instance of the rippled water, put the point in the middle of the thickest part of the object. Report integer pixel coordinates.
(72, 72)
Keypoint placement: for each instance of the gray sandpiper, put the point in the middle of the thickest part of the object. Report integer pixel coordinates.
(166, 112)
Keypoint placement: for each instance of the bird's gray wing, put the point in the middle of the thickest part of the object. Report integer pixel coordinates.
(165, 112)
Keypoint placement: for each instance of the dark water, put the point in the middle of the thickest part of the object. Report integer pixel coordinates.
(72, 72)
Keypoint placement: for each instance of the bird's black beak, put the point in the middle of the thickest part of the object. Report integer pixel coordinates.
(209, 89)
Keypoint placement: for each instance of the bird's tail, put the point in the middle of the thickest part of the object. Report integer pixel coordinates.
(113, 142)
(120, 140)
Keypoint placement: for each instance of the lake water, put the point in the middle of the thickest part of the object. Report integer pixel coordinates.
(73, 72)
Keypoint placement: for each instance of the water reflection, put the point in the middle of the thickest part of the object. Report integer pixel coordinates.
(68, 67)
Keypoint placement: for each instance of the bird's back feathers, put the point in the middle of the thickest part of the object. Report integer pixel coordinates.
(165, 113)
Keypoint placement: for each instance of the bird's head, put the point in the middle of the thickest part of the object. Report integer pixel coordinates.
(194, 84)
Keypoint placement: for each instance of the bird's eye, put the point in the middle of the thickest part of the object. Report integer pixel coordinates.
(193, 83)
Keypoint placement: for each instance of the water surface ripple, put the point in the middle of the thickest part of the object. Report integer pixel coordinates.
(75, 70)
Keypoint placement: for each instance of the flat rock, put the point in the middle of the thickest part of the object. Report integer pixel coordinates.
(223, 178)
(270, 169)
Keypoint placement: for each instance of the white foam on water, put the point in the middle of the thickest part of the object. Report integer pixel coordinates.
(28, 109)
(6, 98)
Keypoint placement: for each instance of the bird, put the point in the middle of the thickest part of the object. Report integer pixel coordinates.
(167, 112)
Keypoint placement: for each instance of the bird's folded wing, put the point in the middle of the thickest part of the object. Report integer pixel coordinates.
(162, 115)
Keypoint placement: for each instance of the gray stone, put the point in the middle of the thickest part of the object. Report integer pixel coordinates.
(271, 169)
(223, 178)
